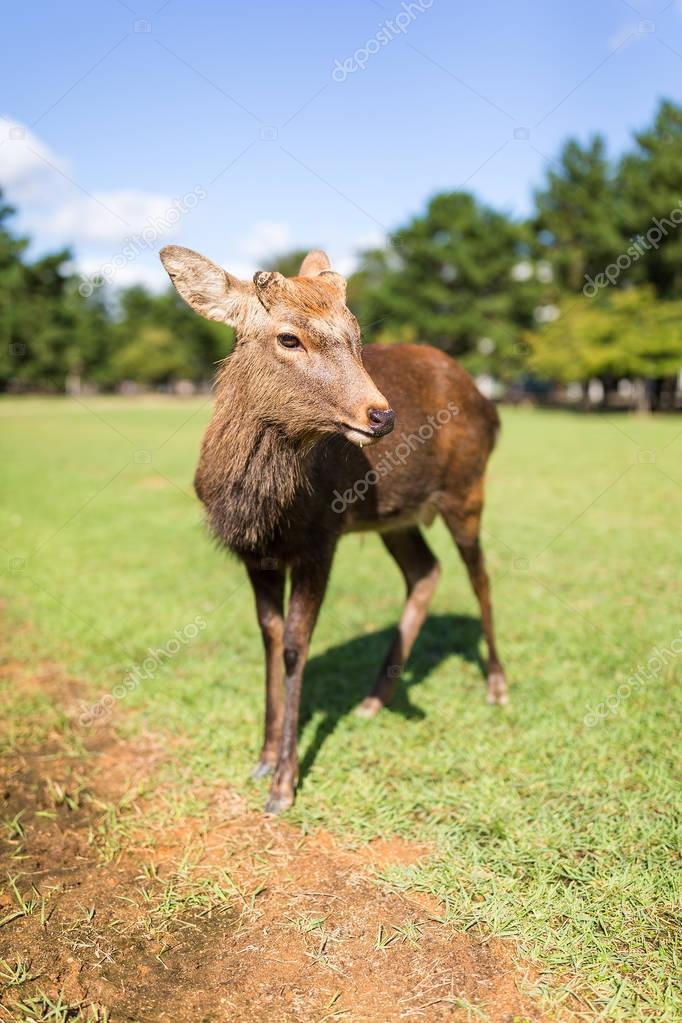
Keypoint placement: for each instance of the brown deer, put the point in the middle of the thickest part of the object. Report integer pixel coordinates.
(297, 453)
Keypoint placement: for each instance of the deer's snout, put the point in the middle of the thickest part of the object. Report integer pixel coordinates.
(369, 414)
(381, 421)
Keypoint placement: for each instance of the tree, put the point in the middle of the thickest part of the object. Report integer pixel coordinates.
(36, 320)
(624, 333)
(162, 321)
(578, 220)
(459, 277)
(52, 337)
(152, 356)
(93, 335)
(650, 180)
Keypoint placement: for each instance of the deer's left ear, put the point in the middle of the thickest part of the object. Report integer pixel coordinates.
(314, 263)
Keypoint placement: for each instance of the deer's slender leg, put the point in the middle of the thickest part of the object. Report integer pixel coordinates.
(463, 519)
(268, 588)
(308, 583)
(421, 571)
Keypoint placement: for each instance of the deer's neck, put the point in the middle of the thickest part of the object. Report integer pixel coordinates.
(250, 474)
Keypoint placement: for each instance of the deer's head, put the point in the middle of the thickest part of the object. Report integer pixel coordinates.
(298, 346)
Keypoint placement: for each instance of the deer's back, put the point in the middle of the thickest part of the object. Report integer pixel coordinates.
(420, 380)
(445, 431)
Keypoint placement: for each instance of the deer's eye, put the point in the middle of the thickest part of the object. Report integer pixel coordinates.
(289, 341)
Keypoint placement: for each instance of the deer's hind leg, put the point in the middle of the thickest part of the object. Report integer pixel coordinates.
(462, 514)
(420, 570)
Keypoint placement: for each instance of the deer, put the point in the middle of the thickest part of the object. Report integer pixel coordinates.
(301, 448)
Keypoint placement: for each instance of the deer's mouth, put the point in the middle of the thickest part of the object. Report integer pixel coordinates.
(358, 436)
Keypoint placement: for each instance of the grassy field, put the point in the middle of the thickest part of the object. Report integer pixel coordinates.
(555, 822)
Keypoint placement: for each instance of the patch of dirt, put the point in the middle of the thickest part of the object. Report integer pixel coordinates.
(230, 916)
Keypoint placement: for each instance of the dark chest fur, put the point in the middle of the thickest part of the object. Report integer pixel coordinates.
(272, 501)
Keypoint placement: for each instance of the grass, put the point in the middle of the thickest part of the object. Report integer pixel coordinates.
(44, 1009)
(555, 822)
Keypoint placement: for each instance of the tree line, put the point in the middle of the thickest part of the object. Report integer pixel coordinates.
(588, 287)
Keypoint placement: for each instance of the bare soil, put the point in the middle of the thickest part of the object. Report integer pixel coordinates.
(129, 913)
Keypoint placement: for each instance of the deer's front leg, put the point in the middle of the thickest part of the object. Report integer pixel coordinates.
(268, 588)
(308, 582)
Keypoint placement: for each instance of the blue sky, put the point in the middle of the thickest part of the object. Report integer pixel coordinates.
(115, 110)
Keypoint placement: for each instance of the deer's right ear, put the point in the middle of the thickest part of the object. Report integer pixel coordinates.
(204, 285)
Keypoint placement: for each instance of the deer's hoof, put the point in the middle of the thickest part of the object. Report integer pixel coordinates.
(497, 689)
(369, 708)
(262, 770)
(277, 804)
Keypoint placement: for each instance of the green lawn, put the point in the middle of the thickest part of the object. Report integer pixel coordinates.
(553, 824)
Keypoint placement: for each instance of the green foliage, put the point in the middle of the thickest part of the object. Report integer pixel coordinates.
(469, 280)
(160, 339)
(458, 277)
(620, 333)
(152, 356)
(650, 181)
(578, 220)
(37, 319)
(50, 333)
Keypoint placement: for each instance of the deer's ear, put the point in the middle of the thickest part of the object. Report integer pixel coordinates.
(204, 285)
(314, 263)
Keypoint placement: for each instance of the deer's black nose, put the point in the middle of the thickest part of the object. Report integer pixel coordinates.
(382, 421)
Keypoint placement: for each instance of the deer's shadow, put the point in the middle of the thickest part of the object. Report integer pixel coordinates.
(336, 681)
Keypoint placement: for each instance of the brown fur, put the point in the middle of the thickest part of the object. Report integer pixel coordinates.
(281, 480)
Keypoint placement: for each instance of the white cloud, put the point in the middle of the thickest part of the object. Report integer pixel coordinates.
(55, 206)
(637, 28)
(346, 261)
(626, 34)
(106, 217)
(146, 271)
(25, 162)
(266, 238)
(630, 33)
